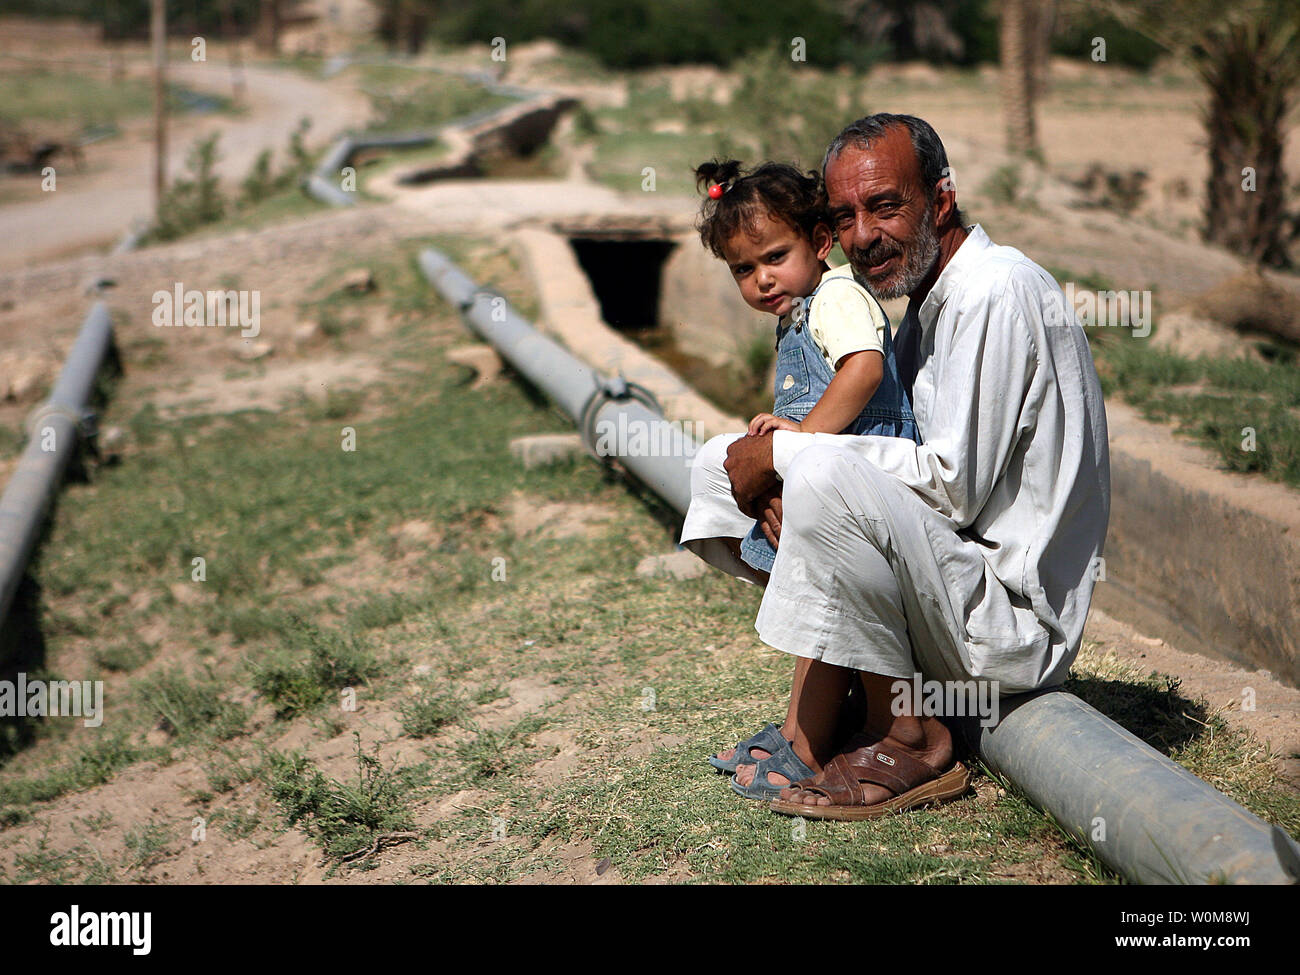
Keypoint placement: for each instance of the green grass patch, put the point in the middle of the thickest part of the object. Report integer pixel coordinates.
(431, 709)
(188, 708)
(34, 95)
(405, 100)
(89, 765)
(1245, 410)
(346, 819)
(311, 666)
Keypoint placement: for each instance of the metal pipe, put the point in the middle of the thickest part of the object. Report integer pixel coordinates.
(320, 183)
(611, 413)
(1144, 815)
(53, 428)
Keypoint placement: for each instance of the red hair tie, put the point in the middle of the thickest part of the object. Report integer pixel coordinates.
(716, 191)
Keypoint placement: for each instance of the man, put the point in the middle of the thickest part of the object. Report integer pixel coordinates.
(969, 556)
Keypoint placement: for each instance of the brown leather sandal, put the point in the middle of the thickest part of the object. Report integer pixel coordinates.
(913, 782)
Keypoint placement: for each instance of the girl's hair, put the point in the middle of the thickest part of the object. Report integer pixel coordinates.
(773, 189)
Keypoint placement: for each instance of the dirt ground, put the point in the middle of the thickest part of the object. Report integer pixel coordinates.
(94, 206)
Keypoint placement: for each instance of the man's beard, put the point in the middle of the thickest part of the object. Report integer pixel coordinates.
(919, 255)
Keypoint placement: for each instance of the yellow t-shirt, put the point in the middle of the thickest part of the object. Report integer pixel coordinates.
(845, 318)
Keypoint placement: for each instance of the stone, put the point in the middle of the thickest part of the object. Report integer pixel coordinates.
(679, 565)
(483, 359)
(111, 441)
(24, 377)
(304, 333)
(546, 448)
(251, 351)
(359, 281)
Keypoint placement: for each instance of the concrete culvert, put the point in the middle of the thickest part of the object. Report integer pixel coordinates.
(626, 276)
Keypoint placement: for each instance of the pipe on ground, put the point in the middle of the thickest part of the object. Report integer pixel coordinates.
(320, 183)
(1143, 814)
(609, 411)
(54, 427)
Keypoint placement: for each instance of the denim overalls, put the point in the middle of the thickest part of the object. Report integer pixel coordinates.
(802, 375)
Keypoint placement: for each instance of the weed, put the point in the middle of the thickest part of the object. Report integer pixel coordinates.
(186, 708)
(147, 845)
(345, 819)
(334, 660)
(125, 655)
(429, 711)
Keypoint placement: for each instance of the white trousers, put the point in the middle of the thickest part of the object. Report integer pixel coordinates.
(869, 576)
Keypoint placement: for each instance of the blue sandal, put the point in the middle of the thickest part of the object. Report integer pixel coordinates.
(769, 739)
(783, 762)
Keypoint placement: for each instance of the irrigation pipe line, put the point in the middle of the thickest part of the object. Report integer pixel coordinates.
(54, 430)
(322, 182)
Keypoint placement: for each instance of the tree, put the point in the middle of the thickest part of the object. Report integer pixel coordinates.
(268, 26)
(1247, 54)
(1017, 78)
(403, 24)
(1024, 42)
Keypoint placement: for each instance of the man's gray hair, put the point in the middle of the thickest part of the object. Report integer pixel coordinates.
(927, 145)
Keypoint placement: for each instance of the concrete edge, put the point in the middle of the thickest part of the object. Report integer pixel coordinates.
(570, 313)
(1203, 558)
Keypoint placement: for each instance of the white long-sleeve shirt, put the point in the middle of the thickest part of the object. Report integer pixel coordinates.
(1015, 448)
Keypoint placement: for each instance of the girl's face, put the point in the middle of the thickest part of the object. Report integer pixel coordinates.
(777, 263)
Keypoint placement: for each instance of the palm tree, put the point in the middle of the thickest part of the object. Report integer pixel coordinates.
(1015, 42)
(1247, 54)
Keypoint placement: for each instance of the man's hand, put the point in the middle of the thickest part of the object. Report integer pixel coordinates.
(749, 466)
(769, 514)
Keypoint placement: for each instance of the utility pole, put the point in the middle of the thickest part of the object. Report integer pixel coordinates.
(158, 30)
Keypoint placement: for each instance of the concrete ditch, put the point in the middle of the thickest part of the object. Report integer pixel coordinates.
(516, 129)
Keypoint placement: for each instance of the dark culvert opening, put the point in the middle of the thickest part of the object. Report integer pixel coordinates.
(626, 276)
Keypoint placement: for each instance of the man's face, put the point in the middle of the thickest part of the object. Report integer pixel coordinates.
(882, 215)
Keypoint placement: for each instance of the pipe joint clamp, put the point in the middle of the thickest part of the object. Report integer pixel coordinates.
(85, 421)
(611, 388)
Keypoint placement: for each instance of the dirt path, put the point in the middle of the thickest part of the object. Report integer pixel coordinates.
(94, 208)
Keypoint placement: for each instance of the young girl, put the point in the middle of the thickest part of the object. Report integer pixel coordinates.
(835, 369)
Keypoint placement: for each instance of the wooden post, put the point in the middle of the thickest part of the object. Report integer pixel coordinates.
(158, 31)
